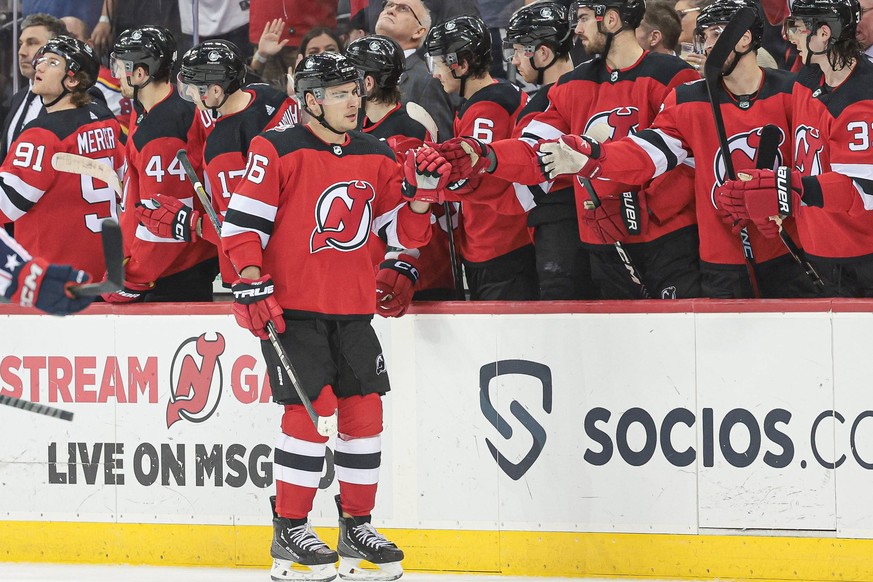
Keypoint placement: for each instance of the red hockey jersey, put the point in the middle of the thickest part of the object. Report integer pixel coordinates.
(684, 131)
(58, 216)
(152, 168)
(486, 232)
(227, 148)
(832, 140)
(304, 211)
(608, 104)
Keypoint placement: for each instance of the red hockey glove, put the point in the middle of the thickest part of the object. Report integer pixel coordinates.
(47, 287)
(425, 175)
(130, 293)
(254, 305)
(765, 195)
(168, 217)
(394, 286)
(732, 223)
(570, 154)
(468, 156)
(617, 217)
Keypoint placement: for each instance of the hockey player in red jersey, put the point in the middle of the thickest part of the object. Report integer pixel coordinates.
(495, 245)
(297, 229)
(211, 76)
(611, 96)
(58, 216)
(403, 127)
(159, 268)
(33, 282)
(538, 42)
(683, 130)
(828, 185)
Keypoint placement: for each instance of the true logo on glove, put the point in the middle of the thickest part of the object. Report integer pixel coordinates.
(253, 292)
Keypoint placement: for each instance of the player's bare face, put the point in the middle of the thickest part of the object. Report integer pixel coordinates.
(31, 40)
(341, 105)
(587, 33)
(50, 71)
(442, 72)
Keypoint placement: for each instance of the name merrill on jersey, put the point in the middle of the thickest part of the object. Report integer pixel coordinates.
(94, 140)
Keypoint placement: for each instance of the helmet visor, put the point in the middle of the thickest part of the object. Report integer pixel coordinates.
(119, 67)
(797, 26)
(191, 92)
(704, 40)
(342, 94)
(510, 49)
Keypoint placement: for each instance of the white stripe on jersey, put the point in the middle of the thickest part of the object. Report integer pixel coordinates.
(524, 196)
(862, 171)
(23, 188)
(656, 155)
(542, 130)
(251, 207)
(142, 233)
(388, 219)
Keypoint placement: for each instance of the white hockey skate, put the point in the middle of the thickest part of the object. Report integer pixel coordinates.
(299, 545)
(359, 541)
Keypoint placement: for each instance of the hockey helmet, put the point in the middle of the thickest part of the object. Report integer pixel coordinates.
(378, 56)
(78, 55)
(841, 16)
(720, 13)
(460, 38)
(213, 62)
(320, 71)
(535, 24)
(152, 47)
(631, 11)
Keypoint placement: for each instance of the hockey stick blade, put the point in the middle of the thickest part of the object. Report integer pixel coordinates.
(83, 166)
(113, 254)
(36, 408)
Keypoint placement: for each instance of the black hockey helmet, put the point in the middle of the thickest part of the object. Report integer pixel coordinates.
(721, 12)
(78, 55)
(841, 16)
(631, 11)
(149, 46)
(214, 62)
(378, 56)
(535, 24)
(461, 38)
(318, 72)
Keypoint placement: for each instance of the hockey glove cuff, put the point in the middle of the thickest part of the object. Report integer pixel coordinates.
(394, 285)
(468, 157)
(46, 287)
(130, 293)
(168, 217)
(254, 305)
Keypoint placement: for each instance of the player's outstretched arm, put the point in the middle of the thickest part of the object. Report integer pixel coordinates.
(571, 154)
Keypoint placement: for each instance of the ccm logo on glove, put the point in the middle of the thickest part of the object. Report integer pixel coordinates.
(28, 290)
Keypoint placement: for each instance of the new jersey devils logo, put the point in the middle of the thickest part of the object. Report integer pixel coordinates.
(744, 154)
(195, 390)
(614, 124)
(808, 146)
(343, 215)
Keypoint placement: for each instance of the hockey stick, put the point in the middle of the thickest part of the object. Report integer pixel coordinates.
(626, 260)
(75, 164)
(113, 254)
(712, 71)
(457, 271)
(35, 407)
(325, 425)
(768, 150)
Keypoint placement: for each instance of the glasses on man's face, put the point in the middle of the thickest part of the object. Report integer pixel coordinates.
(400, 8)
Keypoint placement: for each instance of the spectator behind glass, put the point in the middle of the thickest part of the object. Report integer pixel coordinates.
(864, 30)
(87, 10)
(278, 28)
(217, 19)
(660, 28)
(120, 15)
(318, 40)
(407, 22)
